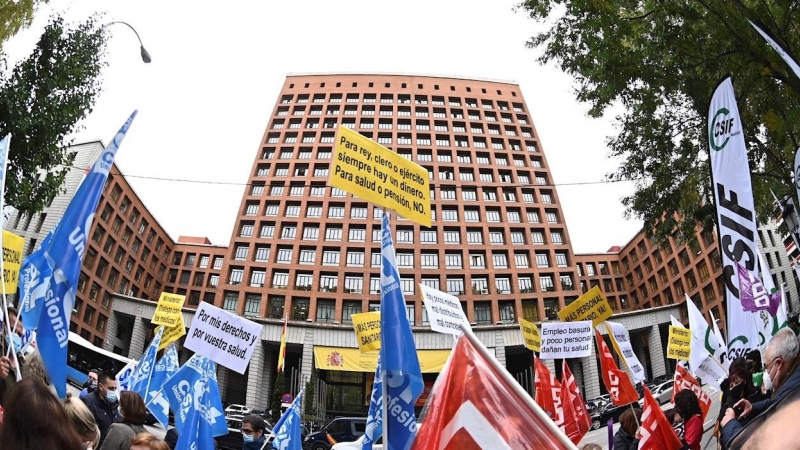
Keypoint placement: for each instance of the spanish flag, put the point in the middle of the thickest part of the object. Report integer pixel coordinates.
(282, 351)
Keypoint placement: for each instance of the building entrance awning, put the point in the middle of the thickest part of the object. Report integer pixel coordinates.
(352, 360)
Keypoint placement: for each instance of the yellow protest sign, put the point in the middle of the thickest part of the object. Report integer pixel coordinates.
(168, 310)
(592, 305)
(12, 260)
(368, 330)
(680, 343)
(530, 334)
(172, 334)
(376, 174)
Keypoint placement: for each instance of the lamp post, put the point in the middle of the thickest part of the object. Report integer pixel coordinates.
(145, 56)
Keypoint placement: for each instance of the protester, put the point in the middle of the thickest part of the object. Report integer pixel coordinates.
(627, 437)
(90, 384)
(753, 361)
(775, 433)
(171, 438)
(134, 412)
(146, 441)
(676, 420)
(738, 386)
(780, 374)
(688, 407)
(35, 420)
(103, 403)
(83, 422)
(253, 432)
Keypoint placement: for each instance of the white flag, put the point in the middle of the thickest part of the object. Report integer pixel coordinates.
(736, 217)
(788, 59)
(704, 337)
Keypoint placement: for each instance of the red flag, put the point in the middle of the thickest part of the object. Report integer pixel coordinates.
(475, 405)
(576, 420)
(684, 380)
(657, 432)
(548, 389)
(617, 382)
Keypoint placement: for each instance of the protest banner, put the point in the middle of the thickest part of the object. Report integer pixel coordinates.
(621, 341)
(566, 340)
(592, 305)
(168, 310)
(376, 174)
(222, 337)
(444, 311)
(530, 335)
(125, 376)
(680, 343)
(12, 260)
(368, 330)
(172, 334)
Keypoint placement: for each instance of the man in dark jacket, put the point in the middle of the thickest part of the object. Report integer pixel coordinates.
(780, 370)
(103, 403)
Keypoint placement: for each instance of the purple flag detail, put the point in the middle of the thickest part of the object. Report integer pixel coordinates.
(753, 295)
(610, 433)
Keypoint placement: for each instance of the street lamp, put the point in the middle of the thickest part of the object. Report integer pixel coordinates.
(145, 56)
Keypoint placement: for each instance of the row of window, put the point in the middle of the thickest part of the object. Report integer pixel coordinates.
(388, 98)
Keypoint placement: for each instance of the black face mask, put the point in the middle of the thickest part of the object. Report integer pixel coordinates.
(737, 391)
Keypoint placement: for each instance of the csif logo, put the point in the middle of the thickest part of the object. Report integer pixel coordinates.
(721, 129)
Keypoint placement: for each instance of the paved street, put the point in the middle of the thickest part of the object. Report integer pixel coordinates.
(601, 436)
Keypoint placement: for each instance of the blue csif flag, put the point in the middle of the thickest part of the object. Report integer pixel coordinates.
(64, 255)
(402, 383)
(287, 431)
(374, 427)
(34, 279)
(140, 381)
(192, 389)
(165, 368)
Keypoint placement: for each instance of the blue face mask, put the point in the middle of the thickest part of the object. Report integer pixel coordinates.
(248, 437)
(111, 396)
(14, 337)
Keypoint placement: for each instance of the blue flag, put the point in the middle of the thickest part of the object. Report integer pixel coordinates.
(140, 380)
(64, 255)
(194, 388)
(165, 368)
(374, 427)
(34, 279)
(288, 429)
(403, 378)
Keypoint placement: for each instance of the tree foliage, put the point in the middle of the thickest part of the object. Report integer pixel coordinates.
(661, 60)
(42, 99)
(311, 398)
(277, 394)
(15, 15)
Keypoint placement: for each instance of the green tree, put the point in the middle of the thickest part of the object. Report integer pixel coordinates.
(15, 15)
(41, 102)
(661, 60)
(277, 394)
(310, 398)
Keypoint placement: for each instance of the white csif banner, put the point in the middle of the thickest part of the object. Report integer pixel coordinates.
(736, 216)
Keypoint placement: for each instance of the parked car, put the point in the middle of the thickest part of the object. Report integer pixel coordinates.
(663, 392)
(340, 429)
(237, 410)
(610, 411)
(356, 445)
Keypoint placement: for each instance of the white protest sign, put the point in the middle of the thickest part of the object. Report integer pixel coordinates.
(622, 344)
(444, 311)
(224, 338)
(124, 376)
(566, 340)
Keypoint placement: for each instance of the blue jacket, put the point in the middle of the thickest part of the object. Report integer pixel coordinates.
(104, 414)
(734, 434)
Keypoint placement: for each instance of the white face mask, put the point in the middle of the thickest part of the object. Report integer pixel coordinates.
(767, 380)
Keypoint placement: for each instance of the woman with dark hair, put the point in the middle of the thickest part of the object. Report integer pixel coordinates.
(133, 413)
(688, 406)
(35, 420)
(627, 437)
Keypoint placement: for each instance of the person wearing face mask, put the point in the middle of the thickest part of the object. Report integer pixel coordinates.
(89, 385)
(133, 413)
(253, 432)
(103, 403)
(781, 375)
(738, 386)
(753, 360)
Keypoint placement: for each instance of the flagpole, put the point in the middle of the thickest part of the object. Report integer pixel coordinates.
(2, 269)
(384, 384)
(551, 426)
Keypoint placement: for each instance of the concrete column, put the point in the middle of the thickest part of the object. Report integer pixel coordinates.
(656, 352)
(500, 348)
(255, 388)
(307, 361)
(551, 365)
(222, 381)
(591, 376)
(138, 335)
(111, 332)
(267, 372)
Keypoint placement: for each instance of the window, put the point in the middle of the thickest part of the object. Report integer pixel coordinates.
(474, 237)
(353, 284)
(348, 309)
(500, 260)
(455, 286)
(517, 237)
(307, 256)
(521, 260)
(477, 261)
(333, 234)
(230, 301)
(452, 237)
(453, 261)
(326, 309)
(429, 260)
(330, 257)
(284, 255)
(427, 236)
(483, 313)
(561, 259)
(450, 215)
(496, 237)
(355, 259)
(240, 253)
(405, 260)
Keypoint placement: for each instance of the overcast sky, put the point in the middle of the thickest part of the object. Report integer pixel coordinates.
(217, 69)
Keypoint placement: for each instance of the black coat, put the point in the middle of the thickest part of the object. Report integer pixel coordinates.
(104, 414)
(624, 441)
